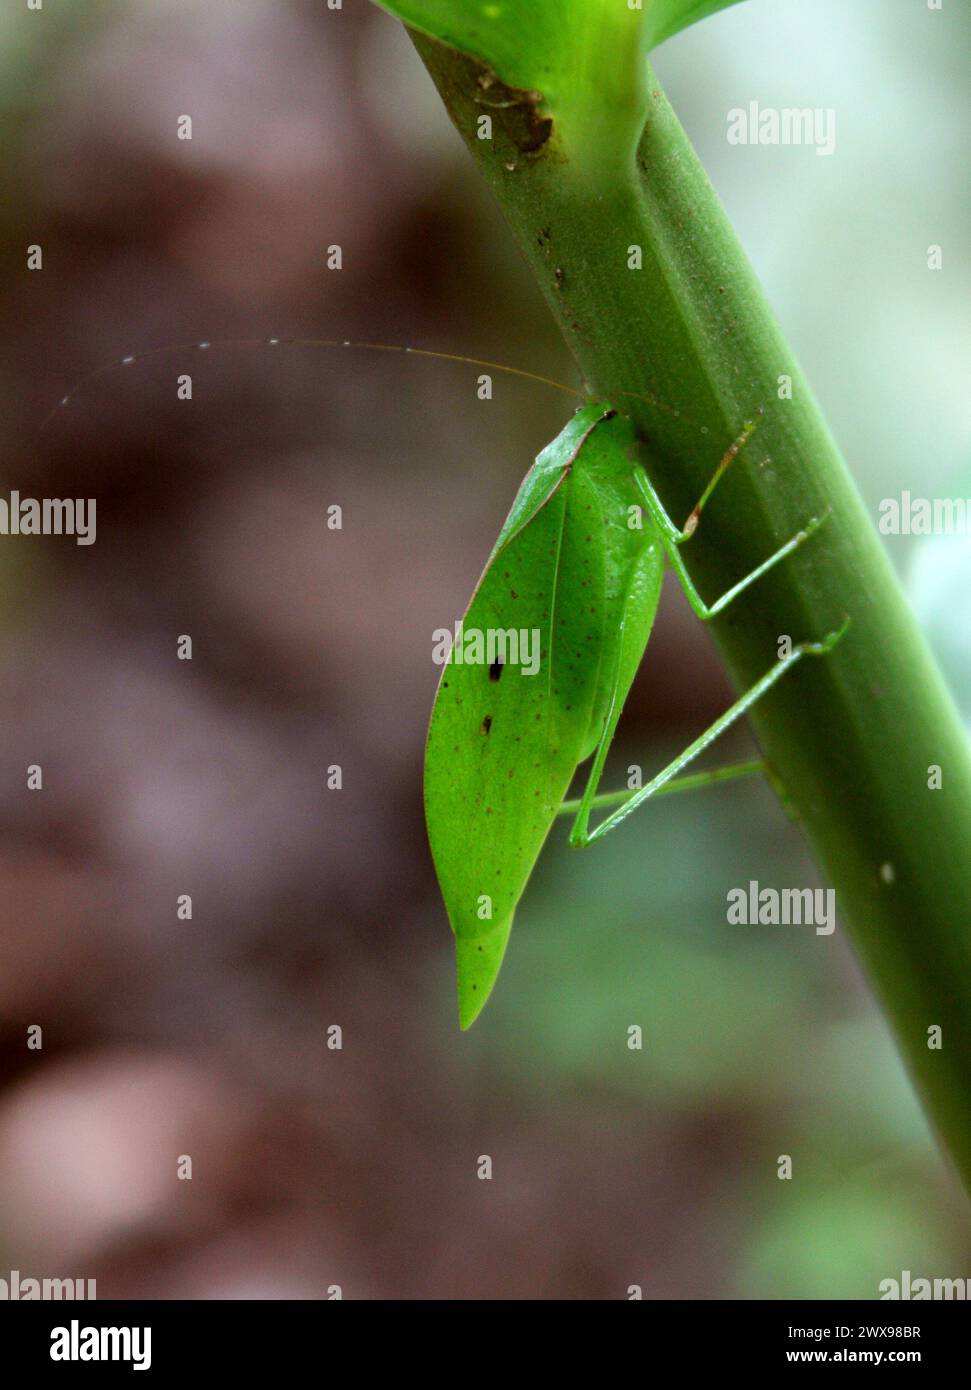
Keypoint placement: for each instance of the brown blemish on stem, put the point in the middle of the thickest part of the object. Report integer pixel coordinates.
(517, 110)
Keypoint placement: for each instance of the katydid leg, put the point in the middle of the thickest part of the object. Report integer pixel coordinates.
(734, 772)
(581, 834)
(707, 611)
(676, 535)
(673, 538)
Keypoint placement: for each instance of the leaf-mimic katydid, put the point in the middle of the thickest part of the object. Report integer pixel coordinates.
(570, 568)
(579, 562)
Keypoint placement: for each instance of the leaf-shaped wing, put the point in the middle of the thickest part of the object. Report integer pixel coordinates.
(505, 736)
(570, 583)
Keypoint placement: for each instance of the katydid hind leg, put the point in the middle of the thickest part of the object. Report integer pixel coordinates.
(581, 834)
(732, 772)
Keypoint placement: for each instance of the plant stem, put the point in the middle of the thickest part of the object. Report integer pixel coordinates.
(688, 346)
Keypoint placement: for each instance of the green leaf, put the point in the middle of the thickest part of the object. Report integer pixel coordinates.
(521, 39)
(669, 17)
(574, 70)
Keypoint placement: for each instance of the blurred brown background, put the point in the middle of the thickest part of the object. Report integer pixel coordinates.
(311, 908)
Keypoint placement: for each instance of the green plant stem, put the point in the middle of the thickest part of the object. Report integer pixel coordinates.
(689, 347)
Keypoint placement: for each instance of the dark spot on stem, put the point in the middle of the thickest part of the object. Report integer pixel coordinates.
(518, 111)
(487, 723)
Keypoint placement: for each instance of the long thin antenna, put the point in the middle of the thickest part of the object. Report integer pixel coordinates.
(344, 343)
(204, 346)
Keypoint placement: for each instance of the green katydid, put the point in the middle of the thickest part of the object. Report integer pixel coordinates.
(570, 565)
(580, 561)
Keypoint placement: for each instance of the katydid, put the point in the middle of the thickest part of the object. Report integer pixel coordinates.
(580, 560)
